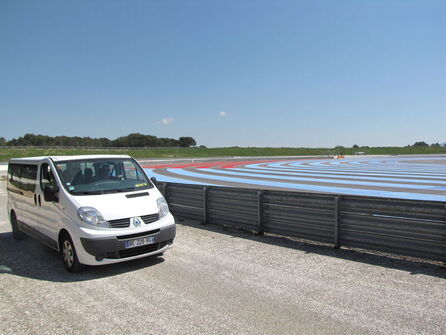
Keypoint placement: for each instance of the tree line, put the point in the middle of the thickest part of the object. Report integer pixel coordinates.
(419, 144)
(131, 140)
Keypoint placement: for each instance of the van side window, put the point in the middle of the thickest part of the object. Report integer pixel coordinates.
(28, 174)
(14, 178)
(47, 177)
(22, 178)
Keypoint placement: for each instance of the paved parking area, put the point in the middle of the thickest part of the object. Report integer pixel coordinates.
(218, 281)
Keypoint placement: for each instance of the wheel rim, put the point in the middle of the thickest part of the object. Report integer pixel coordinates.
(68, 256)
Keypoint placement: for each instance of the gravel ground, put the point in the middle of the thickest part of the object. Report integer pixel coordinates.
(218, 281)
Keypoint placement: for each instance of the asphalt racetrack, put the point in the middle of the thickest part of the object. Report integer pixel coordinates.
(420, 178)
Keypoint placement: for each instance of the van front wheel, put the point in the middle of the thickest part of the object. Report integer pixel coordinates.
(16, 233)
(69, 255)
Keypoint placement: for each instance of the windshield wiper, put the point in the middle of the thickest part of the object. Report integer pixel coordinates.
(126, 189)
(134, 188)
(87, 192)
(119, 190)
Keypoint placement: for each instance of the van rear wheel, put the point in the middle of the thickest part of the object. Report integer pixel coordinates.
(69, 255)
(16, 233)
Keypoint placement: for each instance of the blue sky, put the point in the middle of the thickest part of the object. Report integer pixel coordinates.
(247, 73)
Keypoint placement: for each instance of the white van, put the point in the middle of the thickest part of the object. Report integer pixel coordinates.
(95, 209)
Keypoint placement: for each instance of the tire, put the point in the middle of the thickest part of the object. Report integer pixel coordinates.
(68, 253)
(16, 232)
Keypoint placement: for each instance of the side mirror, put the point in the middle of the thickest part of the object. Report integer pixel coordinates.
(153, 179)
(49, 194)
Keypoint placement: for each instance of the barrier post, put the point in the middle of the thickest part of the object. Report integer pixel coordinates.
(260, 230)
(337, 230)
(165, 192)
(444, 261)
(205, 205)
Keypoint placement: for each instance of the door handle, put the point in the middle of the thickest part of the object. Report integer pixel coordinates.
(40, 200)
(35, 199)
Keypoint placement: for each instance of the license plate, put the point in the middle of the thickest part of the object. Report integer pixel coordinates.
(139, 241)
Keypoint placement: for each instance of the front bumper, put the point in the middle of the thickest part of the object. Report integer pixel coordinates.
(114, 247)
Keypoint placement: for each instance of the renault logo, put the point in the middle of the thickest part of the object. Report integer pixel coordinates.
(137, 221)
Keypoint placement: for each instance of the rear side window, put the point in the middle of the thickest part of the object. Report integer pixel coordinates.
(22, 178)
(14, 178)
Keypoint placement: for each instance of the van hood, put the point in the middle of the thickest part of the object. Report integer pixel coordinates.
(119, 206)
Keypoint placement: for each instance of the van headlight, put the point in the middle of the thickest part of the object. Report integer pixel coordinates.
(92, 216)
(163, 208)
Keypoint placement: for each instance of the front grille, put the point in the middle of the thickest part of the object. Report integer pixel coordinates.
(120, 223)
(150, 218)
(146, 233)
(125, 223)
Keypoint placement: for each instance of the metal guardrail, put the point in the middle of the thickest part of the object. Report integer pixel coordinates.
(404, 227)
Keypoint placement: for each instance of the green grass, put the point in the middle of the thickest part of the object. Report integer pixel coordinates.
(7, 153)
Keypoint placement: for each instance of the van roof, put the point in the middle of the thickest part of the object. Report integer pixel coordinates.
(64, 158)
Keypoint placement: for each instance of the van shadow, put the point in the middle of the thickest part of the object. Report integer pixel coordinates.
(30, 258)
(407, 264)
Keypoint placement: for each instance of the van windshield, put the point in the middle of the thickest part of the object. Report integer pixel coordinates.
(99, 176)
